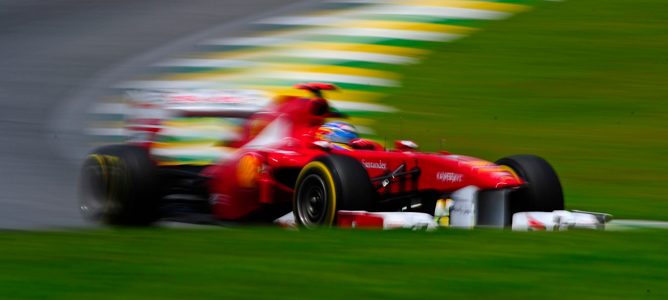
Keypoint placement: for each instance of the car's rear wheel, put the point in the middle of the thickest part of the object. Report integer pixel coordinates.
(119, 186)
(543, 190)
(328, 184)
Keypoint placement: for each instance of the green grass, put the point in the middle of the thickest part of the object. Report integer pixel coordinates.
(332, 264)
(580, 82)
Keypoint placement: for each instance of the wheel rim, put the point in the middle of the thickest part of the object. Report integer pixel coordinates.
(312, 201)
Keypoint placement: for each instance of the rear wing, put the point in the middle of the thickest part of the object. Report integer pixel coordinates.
(194, 103)
(316, 88)
(148, 110)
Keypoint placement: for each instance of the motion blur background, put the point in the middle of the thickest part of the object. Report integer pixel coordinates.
(51, 51)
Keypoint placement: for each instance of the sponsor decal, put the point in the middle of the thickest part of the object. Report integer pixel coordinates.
(248, 170)
(449, 177)
(463, 210)
(535, 224)
(375, 164)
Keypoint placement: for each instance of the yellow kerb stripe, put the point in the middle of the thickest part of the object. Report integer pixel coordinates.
(276, 67)
(334, 70)
(400, 25)
(486, 5)
(380, 49)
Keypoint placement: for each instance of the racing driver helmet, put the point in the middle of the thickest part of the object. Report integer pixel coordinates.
(337, 132)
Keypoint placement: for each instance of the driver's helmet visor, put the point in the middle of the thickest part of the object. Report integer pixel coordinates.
(337, 132)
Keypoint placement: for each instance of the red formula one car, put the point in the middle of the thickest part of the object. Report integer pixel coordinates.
(280, 164)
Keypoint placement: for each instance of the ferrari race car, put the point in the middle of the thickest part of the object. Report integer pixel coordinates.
(279, 164)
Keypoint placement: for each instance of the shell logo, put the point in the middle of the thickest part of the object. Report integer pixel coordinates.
(248, 170)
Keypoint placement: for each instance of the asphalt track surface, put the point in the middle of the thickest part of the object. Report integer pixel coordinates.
(55, 58)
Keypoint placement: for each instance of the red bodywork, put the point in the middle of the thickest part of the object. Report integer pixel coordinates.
(278, 143)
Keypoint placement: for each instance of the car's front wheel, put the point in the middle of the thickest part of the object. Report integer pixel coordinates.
(328, 184)
(542, 191)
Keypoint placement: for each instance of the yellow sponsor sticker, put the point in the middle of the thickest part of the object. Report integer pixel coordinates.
(248, 170)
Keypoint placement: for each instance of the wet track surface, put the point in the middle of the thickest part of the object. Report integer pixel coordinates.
(50, 51)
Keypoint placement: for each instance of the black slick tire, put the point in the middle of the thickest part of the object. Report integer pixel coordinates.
(543, 190)
(119, 186)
